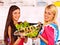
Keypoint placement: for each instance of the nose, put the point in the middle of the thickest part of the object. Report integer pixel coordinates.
(45, 14)
(18, 14)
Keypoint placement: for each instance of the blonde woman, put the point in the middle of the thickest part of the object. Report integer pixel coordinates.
(49, 35)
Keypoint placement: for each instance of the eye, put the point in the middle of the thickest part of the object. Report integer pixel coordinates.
(18, 12)
(15, 12)
(45, 12)
(49, 13)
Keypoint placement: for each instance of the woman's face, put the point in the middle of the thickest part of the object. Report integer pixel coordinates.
(48, 15)
(16, 14)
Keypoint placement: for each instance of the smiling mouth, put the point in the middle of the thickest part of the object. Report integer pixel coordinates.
(46, 17)
(16, 17)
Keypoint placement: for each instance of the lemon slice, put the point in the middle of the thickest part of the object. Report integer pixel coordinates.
(57, 3)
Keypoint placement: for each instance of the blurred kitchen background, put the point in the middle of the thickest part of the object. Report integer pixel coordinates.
(31, 11)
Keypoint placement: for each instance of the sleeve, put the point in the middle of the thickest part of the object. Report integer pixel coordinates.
(48, 34)
(56, 34)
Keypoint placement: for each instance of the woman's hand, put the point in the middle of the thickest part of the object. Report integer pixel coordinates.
(34, 38)
(42, 38)
(39, 36)
(39, 23)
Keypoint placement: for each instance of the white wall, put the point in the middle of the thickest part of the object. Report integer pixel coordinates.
(32, 14)
(58, 20)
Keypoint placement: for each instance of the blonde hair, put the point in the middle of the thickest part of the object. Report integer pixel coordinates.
(54, 11)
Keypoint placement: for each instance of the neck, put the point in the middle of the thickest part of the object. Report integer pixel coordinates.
(15, 22)
(48, 22)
